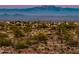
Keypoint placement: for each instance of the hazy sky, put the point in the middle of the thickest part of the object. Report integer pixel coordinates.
(29, 6)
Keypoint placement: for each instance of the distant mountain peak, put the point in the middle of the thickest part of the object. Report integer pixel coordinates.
(47, 6)
(51, 6)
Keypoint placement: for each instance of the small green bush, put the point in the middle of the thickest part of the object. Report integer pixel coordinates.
(42, 26)
(5, 42)
(21, 44)
(39, 38)
(18, 33)
(27, 29)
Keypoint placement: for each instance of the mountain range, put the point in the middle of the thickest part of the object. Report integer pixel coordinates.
(40, 9)
(41, 12)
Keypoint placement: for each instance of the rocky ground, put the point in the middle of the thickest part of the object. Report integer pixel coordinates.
(20, 37)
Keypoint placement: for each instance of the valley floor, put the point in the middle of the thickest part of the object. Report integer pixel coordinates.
(39, 37)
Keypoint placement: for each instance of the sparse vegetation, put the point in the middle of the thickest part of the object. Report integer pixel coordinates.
(4, 41)
(40, 37)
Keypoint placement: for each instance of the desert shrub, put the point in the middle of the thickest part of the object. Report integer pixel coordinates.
(21, 44)
(39, 38)
(69, 26)
(32, 41)
(5, 42)
(42, 37)
(2, 26)
(53, 28)
(77, 32)
(42, 26)
(27, 29)
(18, 33)
(67, 36)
